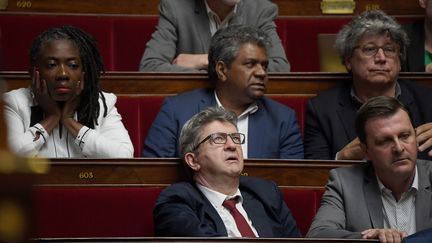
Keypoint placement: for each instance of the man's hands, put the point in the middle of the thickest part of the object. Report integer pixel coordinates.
(193, 61)
(384, 235)
(54, 112)
(50, 108)
(351, 151)
(424, 137)
(72, 104)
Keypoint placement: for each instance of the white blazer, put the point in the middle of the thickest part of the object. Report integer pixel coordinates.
(109, 139)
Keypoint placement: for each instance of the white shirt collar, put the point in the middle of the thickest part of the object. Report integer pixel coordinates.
(217, 198)
(413, 185)
(250, 110)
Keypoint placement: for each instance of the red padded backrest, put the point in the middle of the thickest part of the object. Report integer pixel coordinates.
(138, 113)
(67, 211)
(149, 108)
(129, 109)
(19, 30)
(131, 35)
(121, 39)
(299, 36)
(95, 211)
(297, 103)
(304, 204)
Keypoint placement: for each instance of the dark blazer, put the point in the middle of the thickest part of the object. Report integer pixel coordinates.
(416, 49)
(184, 28)
(273, 130)
(330, 117)
(183, 211)
(424, 236)
(352, 202)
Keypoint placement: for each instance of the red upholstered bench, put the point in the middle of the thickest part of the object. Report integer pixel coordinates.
(95, 211)
(121, 39)
(299, 36)
(304, 204)
(139, 111)
(119, 211)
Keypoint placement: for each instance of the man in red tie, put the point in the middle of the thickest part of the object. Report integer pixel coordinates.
(218, 201)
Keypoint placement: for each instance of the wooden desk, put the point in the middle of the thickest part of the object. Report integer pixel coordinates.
(199, 239)
(286, 8)
(162, 172)
(173, 83)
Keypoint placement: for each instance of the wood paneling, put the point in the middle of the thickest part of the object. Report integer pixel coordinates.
(199, 239)
(162, 172)
(173, 83)
(286, 7)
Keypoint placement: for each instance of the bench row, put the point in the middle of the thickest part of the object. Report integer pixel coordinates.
(291, 7)
(115, 197)
(121, 211)
(139, 111)
(122, 38)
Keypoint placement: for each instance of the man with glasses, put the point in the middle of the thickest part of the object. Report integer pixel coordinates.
(372, 47)
(238, 78)
(218, 201)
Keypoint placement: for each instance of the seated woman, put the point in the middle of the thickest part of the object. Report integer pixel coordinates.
(64, 113)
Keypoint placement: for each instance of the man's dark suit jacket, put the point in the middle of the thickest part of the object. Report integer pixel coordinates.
(183, 211)
(424, 236)
(330, 117)
(273, 130)
(416, 48)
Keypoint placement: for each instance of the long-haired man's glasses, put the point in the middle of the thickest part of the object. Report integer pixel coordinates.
(221, 138)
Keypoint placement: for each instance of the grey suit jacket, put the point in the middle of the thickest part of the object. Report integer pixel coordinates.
(184, 28)
(352, 202)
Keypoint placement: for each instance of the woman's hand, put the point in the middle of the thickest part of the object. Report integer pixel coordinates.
(70, 107)
(50, 108)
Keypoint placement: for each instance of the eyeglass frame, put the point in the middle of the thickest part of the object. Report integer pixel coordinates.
(226, 135)
(396, 53)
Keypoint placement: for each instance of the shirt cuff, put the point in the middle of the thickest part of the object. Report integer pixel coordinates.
(38, 128)
(80, 139)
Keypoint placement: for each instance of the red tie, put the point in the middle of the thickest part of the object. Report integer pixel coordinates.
(242, 225)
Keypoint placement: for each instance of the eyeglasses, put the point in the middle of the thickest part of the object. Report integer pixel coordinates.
(221, 138)
(370, 50)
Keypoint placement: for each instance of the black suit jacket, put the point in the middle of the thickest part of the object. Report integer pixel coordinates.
(330, 117)
(416, 49)
(183, 211)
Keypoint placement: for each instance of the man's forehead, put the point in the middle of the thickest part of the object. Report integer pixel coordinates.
(219, 126)
(399, 118)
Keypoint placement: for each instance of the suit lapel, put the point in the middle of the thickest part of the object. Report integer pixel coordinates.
(373, 199)
(212, 213)
(203, 24)
(423, 200)
(238, 16)
(257, 215)
(208, 99)
(346, 112)
(408, 100)
(255, 133)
